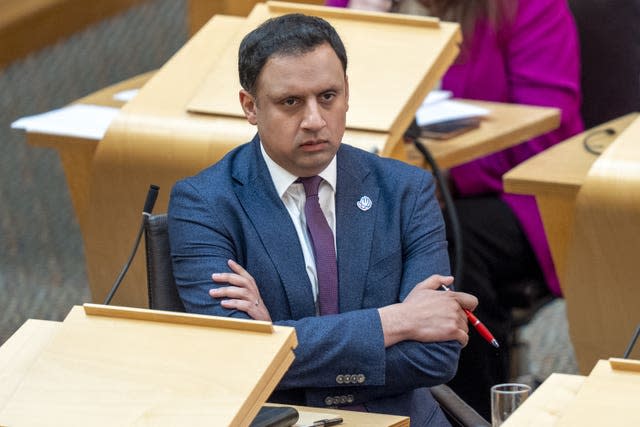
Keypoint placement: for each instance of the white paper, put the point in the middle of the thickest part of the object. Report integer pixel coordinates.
(447, 110)
(78, 120)
(437, 96)
(126, 95)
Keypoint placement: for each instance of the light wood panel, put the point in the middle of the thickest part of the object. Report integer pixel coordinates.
(592, 233)
(385, 61)
(548, 403)
(505, 126)
(603, 263)
(101, 370)
(608, 397)
(554, 177)
(22, 350)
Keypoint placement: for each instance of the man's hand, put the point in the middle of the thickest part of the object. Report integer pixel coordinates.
(428, 314)
(243, 295)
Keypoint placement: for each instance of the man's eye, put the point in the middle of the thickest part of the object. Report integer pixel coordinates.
(290, 102)
(328, 96)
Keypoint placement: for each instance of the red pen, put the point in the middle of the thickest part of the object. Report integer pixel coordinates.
(476, 323)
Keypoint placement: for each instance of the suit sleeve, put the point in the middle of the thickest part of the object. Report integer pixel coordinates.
(200, 246)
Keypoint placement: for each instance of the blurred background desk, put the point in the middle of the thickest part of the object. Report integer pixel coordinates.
(607, 396)
(589, 207)
(554, 177)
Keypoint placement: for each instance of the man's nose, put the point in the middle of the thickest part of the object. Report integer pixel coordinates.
(313, 118)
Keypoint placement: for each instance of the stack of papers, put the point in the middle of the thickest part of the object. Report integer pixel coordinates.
(438, 107)
(77, 120)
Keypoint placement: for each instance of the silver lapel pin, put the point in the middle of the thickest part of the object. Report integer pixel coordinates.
(364, 203)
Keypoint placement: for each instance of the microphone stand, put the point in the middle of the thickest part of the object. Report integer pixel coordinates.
(152, 195)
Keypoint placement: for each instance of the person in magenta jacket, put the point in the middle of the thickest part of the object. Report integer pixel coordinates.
(528, 54)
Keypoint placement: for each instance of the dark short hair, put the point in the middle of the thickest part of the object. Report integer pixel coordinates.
(292, 34)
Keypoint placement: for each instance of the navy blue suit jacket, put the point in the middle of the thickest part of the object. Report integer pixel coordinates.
(232, 211)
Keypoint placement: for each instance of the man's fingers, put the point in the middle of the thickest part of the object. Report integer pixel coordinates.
(237, 304)
(463, 338)
(436, 281)
(232, 279)
(238, 269)
(467, 301)
(230, 292)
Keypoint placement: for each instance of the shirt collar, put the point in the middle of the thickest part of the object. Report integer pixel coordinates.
(282, 179)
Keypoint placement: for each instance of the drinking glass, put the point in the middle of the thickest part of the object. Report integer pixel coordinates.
(505, 399)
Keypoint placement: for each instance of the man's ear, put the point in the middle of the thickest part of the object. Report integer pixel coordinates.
(346, 89)
(248, 104)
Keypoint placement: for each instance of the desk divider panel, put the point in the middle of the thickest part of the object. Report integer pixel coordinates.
(121, 366)
(603, 263)
(608, 397)
(394, 60)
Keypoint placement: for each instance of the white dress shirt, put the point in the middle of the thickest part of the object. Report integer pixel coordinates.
(293, 196)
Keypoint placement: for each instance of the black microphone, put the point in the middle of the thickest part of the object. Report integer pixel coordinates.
(152, 195)
(632, 343)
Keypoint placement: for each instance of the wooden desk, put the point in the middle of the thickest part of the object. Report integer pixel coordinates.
(595, 252)
(506, 125)
(554, 177)
(23, 348)
(607, 396)
(548, 403)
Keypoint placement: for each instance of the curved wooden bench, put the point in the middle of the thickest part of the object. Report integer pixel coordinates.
(602, 284)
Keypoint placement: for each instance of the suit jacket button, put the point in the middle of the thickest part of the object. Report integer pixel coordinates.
(361, 378)
(328, 401)
(340, 379)
(353, 379)
(349, 398)
(343, 399)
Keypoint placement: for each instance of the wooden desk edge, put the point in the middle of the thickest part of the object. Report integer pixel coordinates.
(34, 335)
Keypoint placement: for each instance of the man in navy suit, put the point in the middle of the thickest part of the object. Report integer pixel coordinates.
(240, 244)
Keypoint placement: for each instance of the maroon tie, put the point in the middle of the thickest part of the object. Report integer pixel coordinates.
(323, 247)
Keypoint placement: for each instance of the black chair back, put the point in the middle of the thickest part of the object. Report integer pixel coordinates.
(162, 289)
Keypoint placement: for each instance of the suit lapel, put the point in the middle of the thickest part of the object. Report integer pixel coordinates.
(272, 222)
(354, 228)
